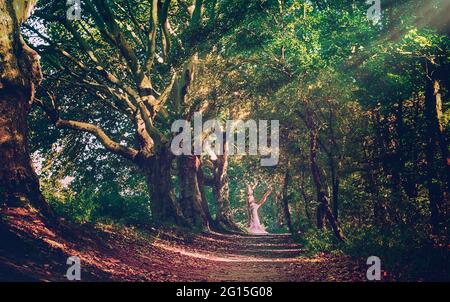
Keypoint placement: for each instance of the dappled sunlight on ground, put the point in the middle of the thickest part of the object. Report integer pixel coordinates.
(30, 250)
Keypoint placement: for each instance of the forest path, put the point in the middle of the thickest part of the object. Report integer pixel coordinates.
(261, 247)
(31, 251)
(254, 258)
(261, 258)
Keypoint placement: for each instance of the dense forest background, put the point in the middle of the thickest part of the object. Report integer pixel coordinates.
(363, 105)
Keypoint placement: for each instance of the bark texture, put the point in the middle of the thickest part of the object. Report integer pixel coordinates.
(19, 75)
(285, 202)
(164, 206)
(435, 137)
(224, 217)
(195, 209)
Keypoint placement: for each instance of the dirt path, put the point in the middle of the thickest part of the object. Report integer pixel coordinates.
(265, 258)
(31, 251)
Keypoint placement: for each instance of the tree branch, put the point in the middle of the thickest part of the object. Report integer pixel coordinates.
(265, 197)
(104, 139)
(151, 53)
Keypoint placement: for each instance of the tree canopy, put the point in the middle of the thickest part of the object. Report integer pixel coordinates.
(363, 107)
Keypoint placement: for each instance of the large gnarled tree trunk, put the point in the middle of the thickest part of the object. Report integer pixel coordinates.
(19, 75)
(164, 206)
(136, 97)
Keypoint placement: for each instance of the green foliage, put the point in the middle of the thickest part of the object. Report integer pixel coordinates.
(407, 252)
(319, 241)
(363, 84)
(108, 203)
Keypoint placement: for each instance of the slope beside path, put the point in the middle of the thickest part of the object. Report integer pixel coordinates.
(30, 251)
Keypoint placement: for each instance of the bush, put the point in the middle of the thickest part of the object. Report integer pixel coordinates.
(316, 241)
(406, 253)
(100, 205)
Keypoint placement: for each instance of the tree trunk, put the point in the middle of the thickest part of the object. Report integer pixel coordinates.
(19, 75)
(224, 217)
(285, 203)
(432, 126)
(304, 195)
(372, 186)
(323, 210)
(334, 167)
(254, 224)
(201, 184)
(280, 215)
(191, 200)
(19, 184)
(383, 208)
(443, 144)
(436, 103)
(335, 188)
(164, 207)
